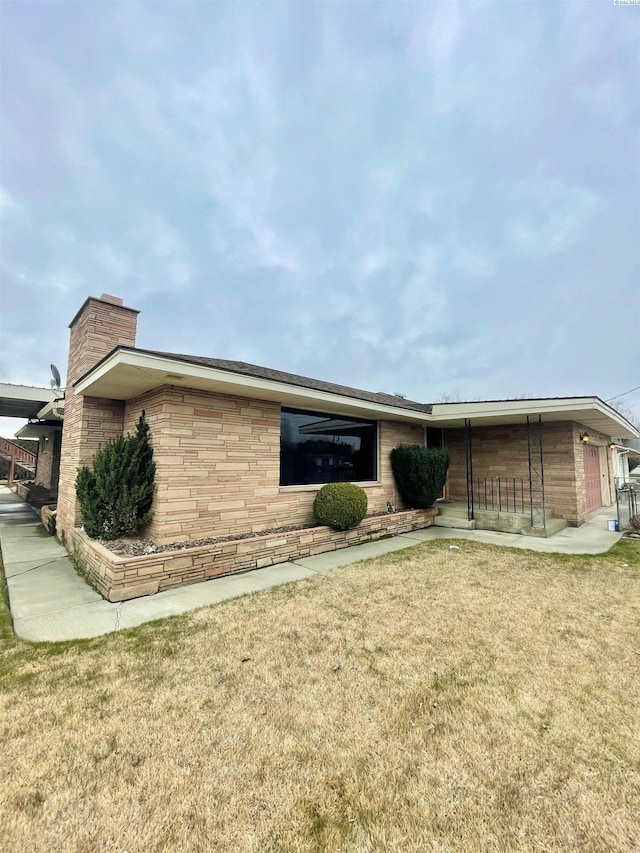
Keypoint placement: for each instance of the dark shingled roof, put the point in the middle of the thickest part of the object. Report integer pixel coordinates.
(258, 372)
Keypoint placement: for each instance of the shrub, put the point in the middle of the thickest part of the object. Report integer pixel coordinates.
(340, 505)
(420, 473)
(115, 496)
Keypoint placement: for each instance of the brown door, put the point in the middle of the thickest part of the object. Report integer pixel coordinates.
(592, 477)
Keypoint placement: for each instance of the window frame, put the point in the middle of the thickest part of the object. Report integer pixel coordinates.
(310, 487)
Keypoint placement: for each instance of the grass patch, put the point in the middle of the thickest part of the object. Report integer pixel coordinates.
(432, 699)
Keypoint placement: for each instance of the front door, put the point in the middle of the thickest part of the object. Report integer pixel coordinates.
(435, 438)
(592, 477)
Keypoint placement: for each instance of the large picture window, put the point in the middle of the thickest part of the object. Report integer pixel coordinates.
(316, 447)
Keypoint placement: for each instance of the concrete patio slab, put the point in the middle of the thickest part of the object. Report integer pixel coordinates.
(488, 537)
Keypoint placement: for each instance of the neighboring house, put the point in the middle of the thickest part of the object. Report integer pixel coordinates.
(243, 449)
(625, 454)
(44, 411)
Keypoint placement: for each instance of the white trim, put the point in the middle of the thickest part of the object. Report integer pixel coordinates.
(29, 393)
(487, 408)
(605, 489)
(270, 389)
(148, 371)
(315, 487)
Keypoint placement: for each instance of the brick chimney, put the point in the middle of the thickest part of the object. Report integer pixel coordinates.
(99, 326)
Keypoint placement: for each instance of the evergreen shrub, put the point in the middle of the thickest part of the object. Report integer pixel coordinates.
(420, 473)
(115, 495)
(341, 506)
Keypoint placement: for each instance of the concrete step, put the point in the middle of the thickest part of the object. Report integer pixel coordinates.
(457, 510)
(455, 522)
(554, 525)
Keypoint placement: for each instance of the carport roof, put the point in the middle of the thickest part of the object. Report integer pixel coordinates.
(24, 401)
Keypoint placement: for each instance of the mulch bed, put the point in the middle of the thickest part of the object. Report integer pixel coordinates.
(140, 547)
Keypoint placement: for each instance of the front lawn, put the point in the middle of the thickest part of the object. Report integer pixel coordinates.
(441, 698)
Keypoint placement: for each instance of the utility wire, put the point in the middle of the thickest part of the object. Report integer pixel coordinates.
(617, 396)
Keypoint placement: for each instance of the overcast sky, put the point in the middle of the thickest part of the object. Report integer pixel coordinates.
(427, 198)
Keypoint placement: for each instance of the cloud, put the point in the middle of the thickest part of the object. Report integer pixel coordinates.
(7, 203)
(556, 218)
(369, 193)
(472, 263)
(435, 32)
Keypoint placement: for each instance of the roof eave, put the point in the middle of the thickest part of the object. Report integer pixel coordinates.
(589, 411)
(126, 373)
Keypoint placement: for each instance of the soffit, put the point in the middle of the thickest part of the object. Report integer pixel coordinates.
(127, 374)
(591, 412)
(36, 430)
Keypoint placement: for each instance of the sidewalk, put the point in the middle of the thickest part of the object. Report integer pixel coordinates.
(50, 601)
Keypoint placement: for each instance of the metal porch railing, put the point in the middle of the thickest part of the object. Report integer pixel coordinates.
(504, 494)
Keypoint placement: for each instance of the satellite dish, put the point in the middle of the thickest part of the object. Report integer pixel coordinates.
(55, 377)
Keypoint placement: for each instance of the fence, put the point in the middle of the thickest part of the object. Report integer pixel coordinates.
(627, 503)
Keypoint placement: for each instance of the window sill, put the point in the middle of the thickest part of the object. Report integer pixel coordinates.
(315, 487)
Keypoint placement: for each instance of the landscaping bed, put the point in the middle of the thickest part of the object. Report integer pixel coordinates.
(123, 575)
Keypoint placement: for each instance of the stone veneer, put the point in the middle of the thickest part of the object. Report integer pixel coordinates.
(501, 451)
(48, 469)
(218, 465)
(121, 578)
(99, 326)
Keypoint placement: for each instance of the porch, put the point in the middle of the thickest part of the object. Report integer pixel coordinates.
(532, 478)
(454, 514)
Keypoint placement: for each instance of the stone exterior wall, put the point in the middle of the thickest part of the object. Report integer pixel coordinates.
(218, 465)
(501, 451)
(98, 327)
(48, 467)
(122, 578)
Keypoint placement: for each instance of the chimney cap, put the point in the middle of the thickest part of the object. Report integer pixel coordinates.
(114, 300)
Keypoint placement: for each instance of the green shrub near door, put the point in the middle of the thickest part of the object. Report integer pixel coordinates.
(420, 473)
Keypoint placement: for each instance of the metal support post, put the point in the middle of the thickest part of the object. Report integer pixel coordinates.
(469, 460)
(536, 471)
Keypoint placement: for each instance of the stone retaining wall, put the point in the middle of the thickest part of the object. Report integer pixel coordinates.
(46, 513)
(121, 578)
(22, 491)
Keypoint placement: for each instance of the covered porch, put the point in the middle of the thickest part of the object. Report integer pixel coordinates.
(531, 467)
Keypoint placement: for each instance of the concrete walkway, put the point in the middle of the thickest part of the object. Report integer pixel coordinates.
(50, 601)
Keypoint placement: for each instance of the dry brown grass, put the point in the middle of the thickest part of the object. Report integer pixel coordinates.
(436, 699)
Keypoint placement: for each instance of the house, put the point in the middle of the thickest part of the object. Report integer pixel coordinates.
(44, 411)
(241, 449)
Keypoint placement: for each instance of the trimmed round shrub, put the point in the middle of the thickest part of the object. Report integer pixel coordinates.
(420, 473)
(341, 506)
